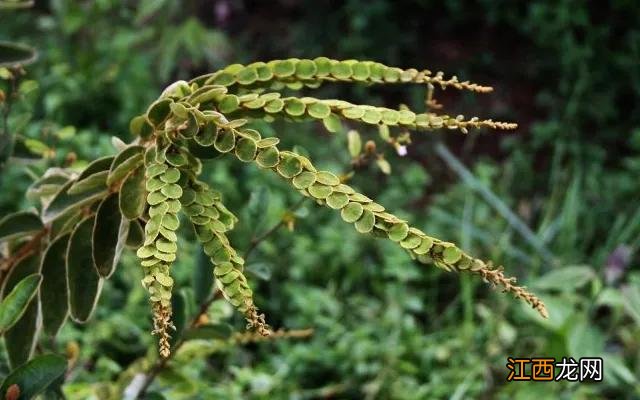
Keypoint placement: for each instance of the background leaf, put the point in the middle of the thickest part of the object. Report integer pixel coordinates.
(33, 377)
(13, 54)
(567, 278)
(63, 202)
(54, 293)
(209, 331)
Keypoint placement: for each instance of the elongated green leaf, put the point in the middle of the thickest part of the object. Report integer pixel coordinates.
(19, 224)
(97, 165)
(82, 277)
(15, 304)
(133, 195)
(20, 340)
(97, 180)
(209, 331)
(124, 162)
(13, 54)
(35, 376)
(54, 291)
(109, 236)
(48, 185)
(332, 123)
(64, 202)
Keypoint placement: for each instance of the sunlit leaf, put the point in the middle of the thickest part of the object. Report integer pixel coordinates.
(332, 123)
(354, 143)
(15, 303)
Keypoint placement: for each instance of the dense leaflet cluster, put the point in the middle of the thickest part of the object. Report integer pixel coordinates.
(295, 73)
(160, 243)
(211, 219)
(136, 197)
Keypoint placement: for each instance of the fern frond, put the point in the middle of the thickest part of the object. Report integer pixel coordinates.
(295, 73)
(211, 219)
(159, 250)
(295, 108)
(208, 115)
(367, 216)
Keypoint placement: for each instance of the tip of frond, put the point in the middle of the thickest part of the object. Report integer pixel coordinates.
(438, 79)
(542, 309)
(161, 325)
(257, 321)
(476, 123)
(496, 277)
(508, 126)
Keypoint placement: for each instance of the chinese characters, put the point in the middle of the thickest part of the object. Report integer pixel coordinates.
(547, 369)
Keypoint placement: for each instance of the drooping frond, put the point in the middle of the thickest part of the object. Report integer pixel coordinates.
(368, 216)
(140, 192)
(156, 177)
(160, 241)
(211, 219)
(208, 115)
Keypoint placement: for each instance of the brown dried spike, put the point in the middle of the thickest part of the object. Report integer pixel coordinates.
(256, 321)
(161, 325)
(496, 277)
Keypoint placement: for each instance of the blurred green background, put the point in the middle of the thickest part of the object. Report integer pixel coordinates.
(556, 201)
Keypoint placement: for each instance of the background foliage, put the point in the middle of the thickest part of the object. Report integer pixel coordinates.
(384, 327)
